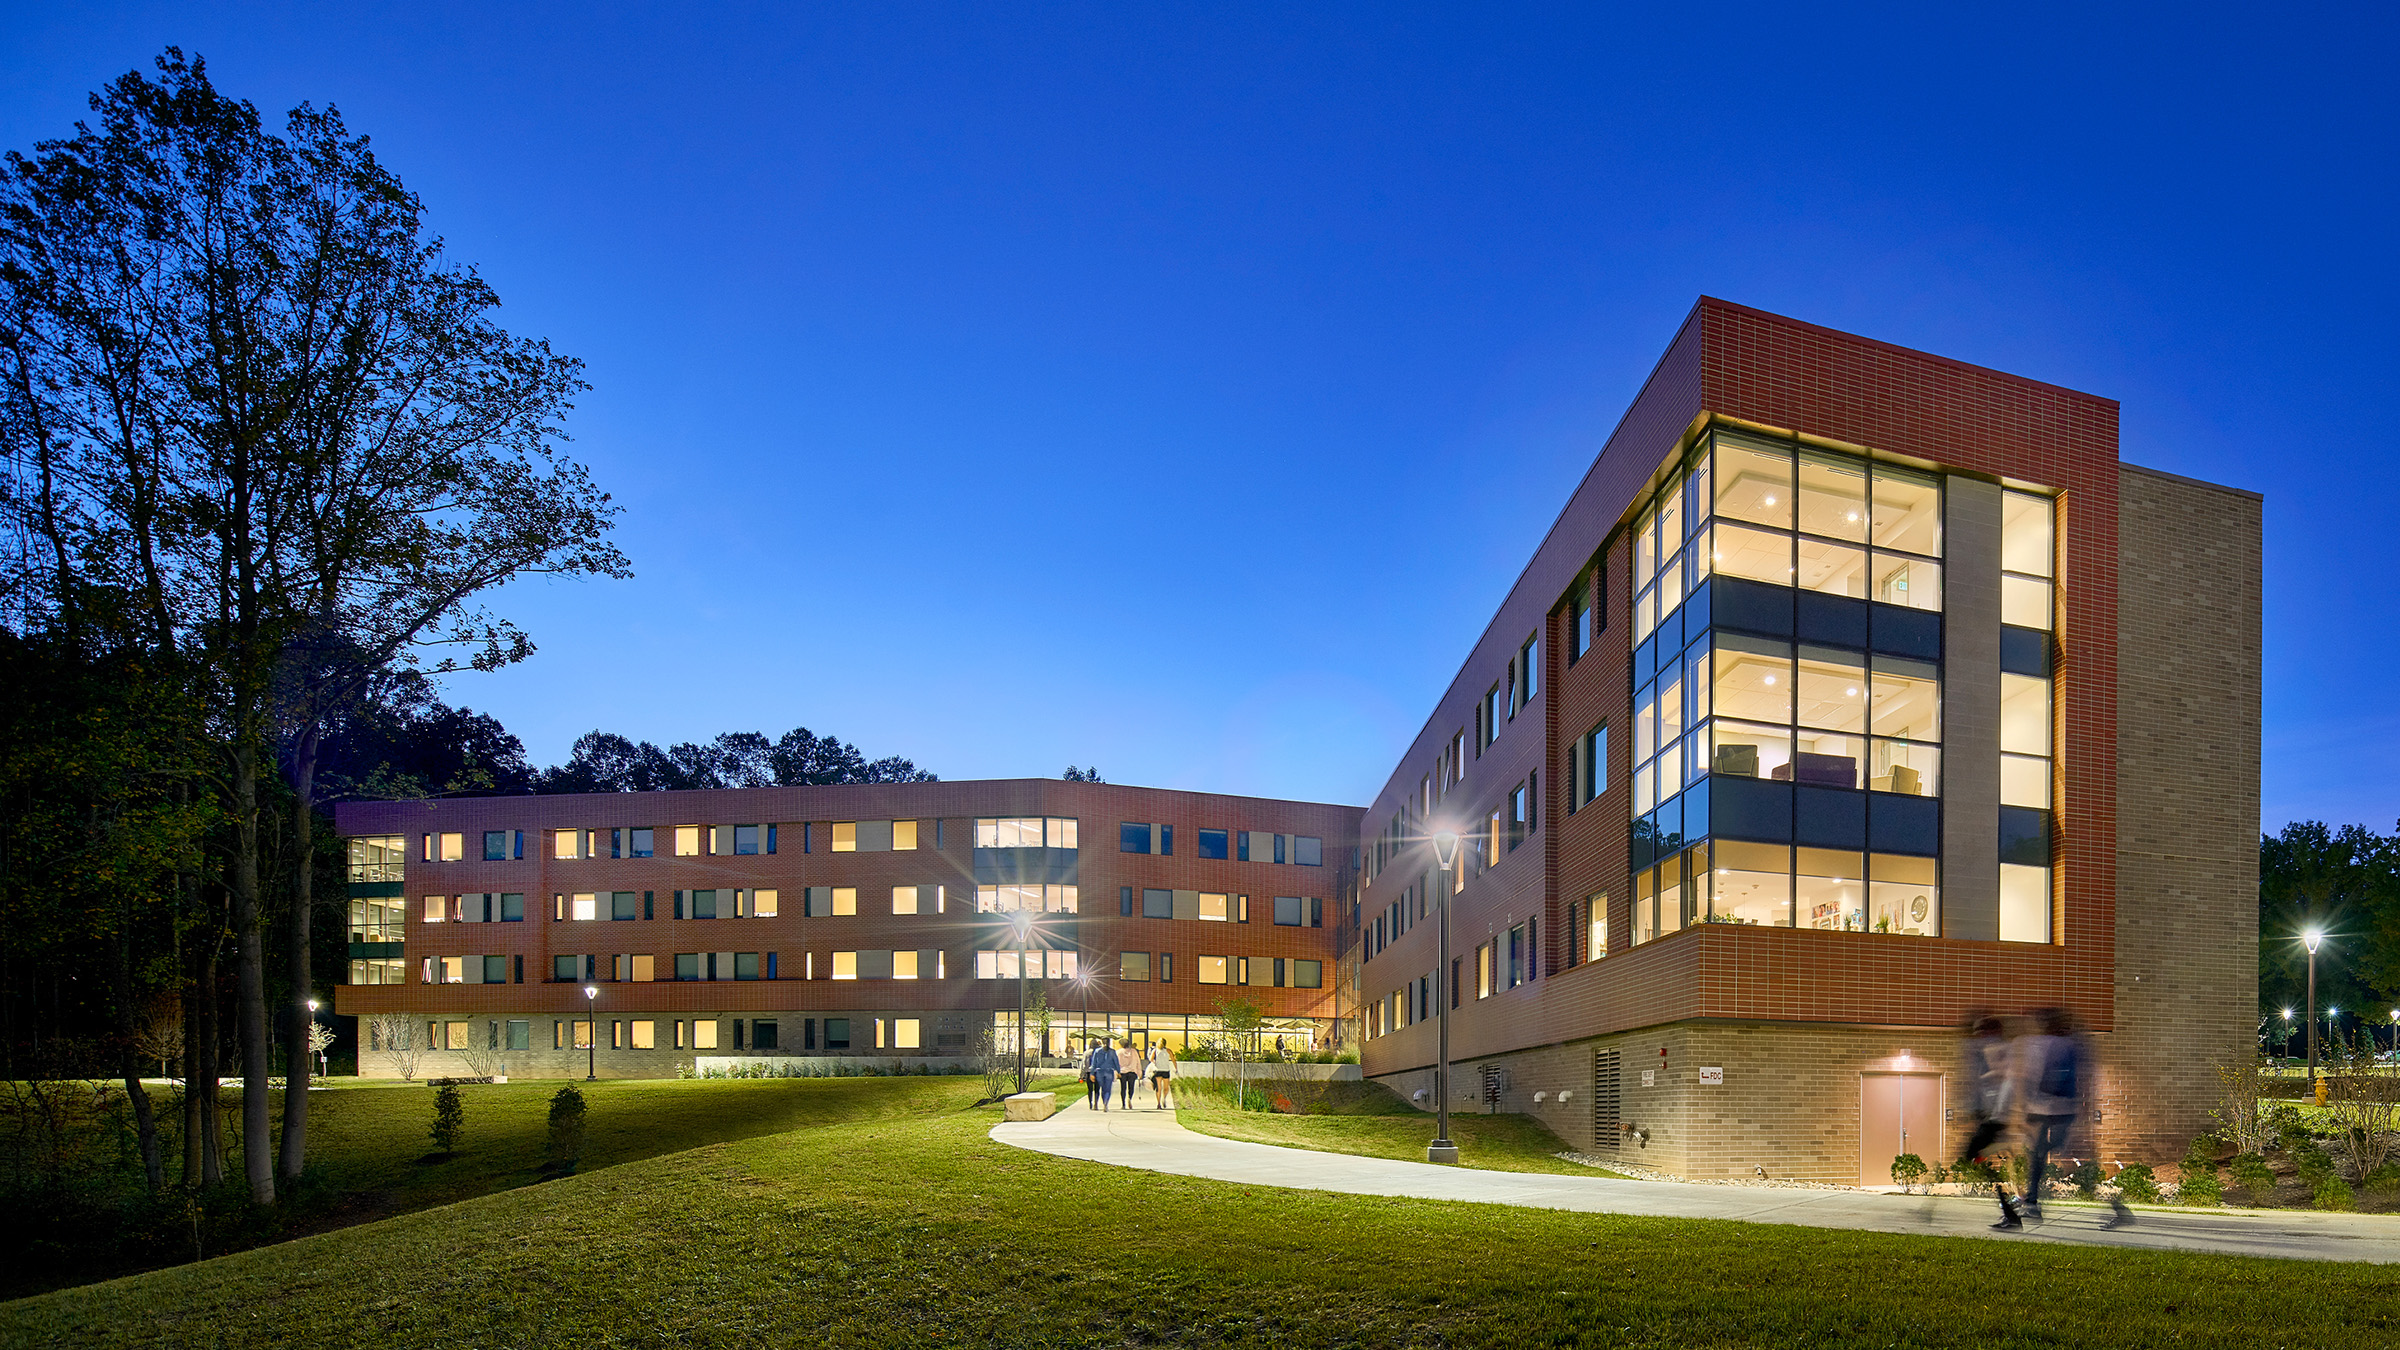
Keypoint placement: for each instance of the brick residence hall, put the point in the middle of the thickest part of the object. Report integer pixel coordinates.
(1853, 689)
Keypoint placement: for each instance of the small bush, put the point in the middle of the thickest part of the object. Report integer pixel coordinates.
(2251, 1173)
(566, 1127)
(1976, 1174)
(2086, 1177)
(1908, 1169)
(2290, 1133)
(2202, 1155)
(2334, 1193)
(2384, 1180)
(2201, 1187)
(2314, 1163)
(449, 1118)
(2138, 1183)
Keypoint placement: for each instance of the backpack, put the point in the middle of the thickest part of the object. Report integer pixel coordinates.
(2059, 1070)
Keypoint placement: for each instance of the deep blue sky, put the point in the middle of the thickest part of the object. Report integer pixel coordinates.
(1178, 390)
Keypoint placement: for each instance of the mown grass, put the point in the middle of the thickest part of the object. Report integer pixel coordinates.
(921, 1230)
(1365, 1119)
(370, 1158)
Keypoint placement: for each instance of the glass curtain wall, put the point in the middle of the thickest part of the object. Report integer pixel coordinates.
(1733, 683)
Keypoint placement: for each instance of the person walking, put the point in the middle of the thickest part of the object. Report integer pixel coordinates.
(1104, 1070)
(2053, 1077)
(1162, 1075)
(1091, 1075)
(1986, 1056)
(1129, 1070)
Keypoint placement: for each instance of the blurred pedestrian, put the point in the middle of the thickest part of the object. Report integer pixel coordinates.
(1104, 1070)
(1162, 1075)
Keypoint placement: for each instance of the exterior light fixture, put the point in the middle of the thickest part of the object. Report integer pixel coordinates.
(591, 1025)
(1441, 1150)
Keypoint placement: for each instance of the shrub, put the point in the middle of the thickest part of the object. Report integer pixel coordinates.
(1908, 1169)
(2201, 1187)
(1975, 1174)
(2290, 1133)
(2334, 1193)
(566, 1127)
(2138, 1183)
(2384, 1180)
(2086, 1177)
(2201, 1155)
(449, 1118)
(2251, 1173)
(2314, 1163)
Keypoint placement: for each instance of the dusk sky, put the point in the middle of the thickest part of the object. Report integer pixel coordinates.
(1177, 390)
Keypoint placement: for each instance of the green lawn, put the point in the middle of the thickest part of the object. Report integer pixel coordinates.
(914, 1228)
(1367, 1120)
(368, 1159)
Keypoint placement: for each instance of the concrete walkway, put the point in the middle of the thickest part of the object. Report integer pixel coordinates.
(1153, 1141)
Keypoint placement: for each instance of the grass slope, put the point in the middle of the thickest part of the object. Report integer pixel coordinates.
(1367, 1120)
(920, 1230)
(368, 1159)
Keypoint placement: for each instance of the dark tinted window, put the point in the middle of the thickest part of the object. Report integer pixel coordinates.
(1158, 904)
(1132, 838)
(1213, 844)
(495, 845)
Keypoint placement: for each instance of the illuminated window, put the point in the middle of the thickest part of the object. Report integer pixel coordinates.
(1212, 970)
(566, 843)
(845, 965)
(762, 904)
(584, 906)
(704, 1034)
(645, 1035)
(907, 1033)
(687, 841)
(437, 909)
(904, 835)
(904, 900)
(1027, 896)
(904, 965)
(1133, 966)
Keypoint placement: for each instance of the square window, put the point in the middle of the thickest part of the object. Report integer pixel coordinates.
(1212, 970)
(763, 1034)
(622, 905)
(644, 967)
(1308, 974)
(745, 965)
(562, 968)
(1158, 904)
(687, 965)
(454, 847)
(495, 845)
(687, 841)
(845, 965)
(645, 1034)
(762, 904)
(1133, 838)
(1289, 912)
(905, 965)
(512, 908)
(904, 835)
(845, 836)
(745, 839)
(704, 904)
(1308, 850)
(845, 900)
(1214, 844)
(640, 842)
(1134, 966)
(520, 1035)
(904, 899)
(907, 1033)
(837, 1033)
(704, 1034)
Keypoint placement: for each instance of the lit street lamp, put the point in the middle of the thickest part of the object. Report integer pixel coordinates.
(2312, 937)
(1441, 1150)
(312, 1030)
(591, 1031)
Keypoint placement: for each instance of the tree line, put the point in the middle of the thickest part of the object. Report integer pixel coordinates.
(2343, 883)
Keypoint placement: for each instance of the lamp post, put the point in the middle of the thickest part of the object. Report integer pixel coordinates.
(591, 1029)
(2287, 1035)
(1441, 1150)
(2311, 938)
(2396, 1033)
(312, 1035)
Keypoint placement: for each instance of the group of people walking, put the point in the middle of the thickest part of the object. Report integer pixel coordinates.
(2040, 1081)
(1109, 1065)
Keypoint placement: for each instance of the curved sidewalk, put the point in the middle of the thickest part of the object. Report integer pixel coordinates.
(1154, 1141)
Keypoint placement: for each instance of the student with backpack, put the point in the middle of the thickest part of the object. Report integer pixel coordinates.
(2054, 1075)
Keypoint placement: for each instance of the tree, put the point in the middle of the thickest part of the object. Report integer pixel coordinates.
(1075, 775)
(449, 1118)
(606, 762)
(394, 1036)
(2344, 883)
(1244, 1021)
(280, 429)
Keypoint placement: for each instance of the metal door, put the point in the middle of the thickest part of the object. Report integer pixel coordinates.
(1897, 1113)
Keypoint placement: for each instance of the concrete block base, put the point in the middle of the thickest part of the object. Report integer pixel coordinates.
(1031, 1106)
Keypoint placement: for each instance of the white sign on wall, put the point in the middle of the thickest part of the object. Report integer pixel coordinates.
(1712, 1077)
(1649, 1078)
